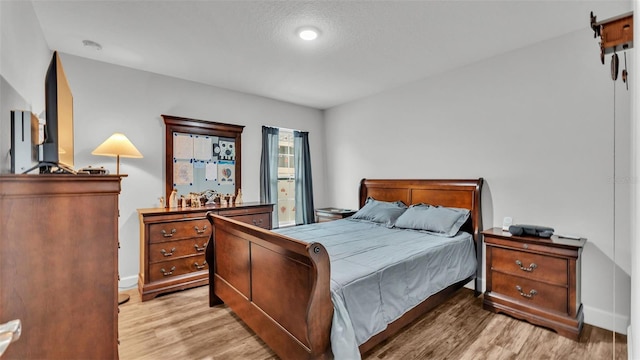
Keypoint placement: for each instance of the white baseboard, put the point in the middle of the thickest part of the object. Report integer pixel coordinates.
(128, 282)
(605, 320)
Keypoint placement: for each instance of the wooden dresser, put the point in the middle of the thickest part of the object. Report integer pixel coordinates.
(173, 244)
(59, 264)
(535, 279)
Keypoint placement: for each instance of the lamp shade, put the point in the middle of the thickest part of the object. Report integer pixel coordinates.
(117, 145)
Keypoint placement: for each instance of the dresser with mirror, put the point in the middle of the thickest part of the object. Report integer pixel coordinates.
(203, 167)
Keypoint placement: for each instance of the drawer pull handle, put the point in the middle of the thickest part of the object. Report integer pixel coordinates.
(198, 231)
(529, 269)
(165, 273)
(165, 253)
(531, 293)
(164, 233)
(200, 267)
(200, 249)
(257, 222)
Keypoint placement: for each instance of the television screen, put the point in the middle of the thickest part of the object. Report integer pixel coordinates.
(58, 139)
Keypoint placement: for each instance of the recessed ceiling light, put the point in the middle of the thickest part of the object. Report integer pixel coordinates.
(308, 33)
(92, 44)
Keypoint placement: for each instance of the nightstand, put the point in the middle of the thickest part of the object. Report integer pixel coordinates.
(330, 214)
(535, 279)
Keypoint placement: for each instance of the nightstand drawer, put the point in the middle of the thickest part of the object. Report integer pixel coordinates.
(166, 251)
(179, 230)
(531, 293)
(168, 269)
(532, 266)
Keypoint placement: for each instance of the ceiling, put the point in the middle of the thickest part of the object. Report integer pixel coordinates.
(365, 47)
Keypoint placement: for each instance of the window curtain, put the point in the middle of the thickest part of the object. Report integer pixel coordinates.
(269, 171)
(304, 185)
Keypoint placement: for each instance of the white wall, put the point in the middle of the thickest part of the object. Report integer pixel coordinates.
(535, 123)
(109, 98)
(633, 340)
(24, 58)
(25, 55)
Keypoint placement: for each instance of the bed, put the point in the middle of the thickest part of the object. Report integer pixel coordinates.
(282, 287)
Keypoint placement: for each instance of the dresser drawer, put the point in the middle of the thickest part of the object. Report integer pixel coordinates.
(172, 268)
(170, 250)
(530, 292)
(179, 230)
(260, 220)
(532, 266)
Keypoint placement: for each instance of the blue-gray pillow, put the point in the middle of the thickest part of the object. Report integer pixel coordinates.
(382, 212)
(438, 220)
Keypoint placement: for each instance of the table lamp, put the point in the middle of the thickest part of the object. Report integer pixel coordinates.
(118, 145)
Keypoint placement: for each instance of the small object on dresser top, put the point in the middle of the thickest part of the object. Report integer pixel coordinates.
(173, 199)
(531, 230)
(93, 171)
(506, 222)
(568, 236)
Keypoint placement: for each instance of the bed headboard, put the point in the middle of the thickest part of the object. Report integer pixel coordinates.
(463, 194)
(451, 193)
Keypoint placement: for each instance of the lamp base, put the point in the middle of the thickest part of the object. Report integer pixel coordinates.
(123, 298)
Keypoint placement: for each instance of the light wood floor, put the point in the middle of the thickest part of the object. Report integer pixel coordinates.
(183, 326)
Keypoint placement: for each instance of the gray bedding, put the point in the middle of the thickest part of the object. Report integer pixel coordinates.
(378, 274)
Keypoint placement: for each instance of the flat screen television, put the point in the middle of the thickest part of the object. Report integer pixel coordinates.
(57, 147)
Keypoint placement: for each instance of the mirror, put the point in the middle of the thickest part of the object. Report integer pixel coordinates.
(201, 155)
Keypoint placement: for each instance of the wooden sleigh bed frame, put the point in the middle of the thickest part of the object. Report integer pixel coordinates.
(280, 287)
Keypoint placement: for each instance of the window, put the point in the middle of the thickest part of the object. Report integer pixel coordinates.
(286, 179)
(285, 176)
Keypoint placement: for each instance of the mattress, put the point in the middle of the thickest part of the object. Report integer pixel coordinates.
(378, 274)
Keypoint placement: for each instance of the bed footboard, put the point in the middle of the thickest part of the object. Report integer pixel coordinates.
(279, 286)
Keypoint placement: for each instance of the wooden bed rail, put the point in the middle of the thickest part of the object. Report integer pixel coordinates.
(279, 286)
